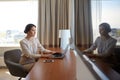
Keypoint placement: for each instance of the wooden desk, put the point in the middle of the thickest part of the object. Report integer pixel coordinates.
(110, 73)
(106, 69)
(60, 69)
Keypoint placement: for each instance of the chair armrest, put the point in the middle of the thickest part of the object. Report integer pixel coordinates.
(16, 69)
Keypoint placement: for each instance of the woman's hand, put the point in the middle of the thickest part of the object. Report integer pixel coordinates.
(46, 55)
(50, 56)
(91, 55)
(85, 51)
(49, 52)
(53, 52)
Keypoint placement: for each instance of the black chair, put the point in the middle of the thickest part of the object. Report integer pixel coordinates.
(117, 57)
(11, 59)
(117, 53)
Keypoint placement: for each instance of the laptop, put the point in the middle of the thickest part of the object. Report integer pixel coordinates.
(60, 55)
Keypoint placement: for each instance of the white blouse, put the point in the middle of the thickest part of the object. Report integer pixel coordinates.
(31, 47)
(104, 47)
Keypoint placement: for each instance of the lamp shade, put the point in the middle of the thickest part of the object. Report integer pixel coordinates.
(65, 36)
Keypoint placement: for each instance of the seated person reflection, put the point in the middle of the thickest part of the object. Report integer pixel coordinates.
(104, 44)
(31, 48)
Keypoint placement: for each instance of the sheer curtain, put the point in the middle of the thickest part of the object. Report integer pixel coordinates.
(53, 15)
(82, 26)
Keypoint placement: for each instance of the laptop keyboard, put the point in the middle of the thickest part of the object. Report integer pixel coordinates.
(57, 54)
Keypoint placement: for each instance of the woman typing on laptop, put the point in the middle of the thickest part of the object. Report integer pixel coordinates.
(104, 44)
(31, 48)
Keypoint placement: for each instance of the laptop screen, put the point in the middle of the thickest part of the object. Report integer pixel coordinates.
(61, 54)
(66, 49)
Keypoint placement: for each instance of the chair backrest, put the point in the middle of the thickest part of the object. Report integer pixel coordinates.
(12, 55)
(11, 59)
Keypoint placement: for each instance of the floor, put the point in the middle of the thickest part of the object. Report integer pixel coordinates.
(5, 75)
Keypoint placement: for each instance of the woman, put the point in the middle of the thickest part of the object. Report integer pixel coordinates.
(31, 48)
(105, 44)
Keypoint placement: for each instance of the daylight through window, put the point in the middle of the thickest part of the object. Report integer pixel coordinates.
(14, 16)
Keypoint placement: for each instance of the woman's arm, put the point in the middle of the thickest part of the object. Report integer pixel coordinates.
(93, 46)
(42, 49)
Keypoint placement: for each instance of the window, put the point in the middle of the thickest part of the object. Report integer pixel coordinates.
(106, 11)
(14, 16)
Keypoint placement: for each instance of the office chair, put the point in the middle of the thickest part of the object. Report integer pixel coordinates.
(117, 56)
(117, 53)
(11, 59)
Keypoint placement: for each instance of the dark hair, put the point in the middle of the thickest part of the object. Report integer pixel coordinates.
(106, 26)
(28, 27)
